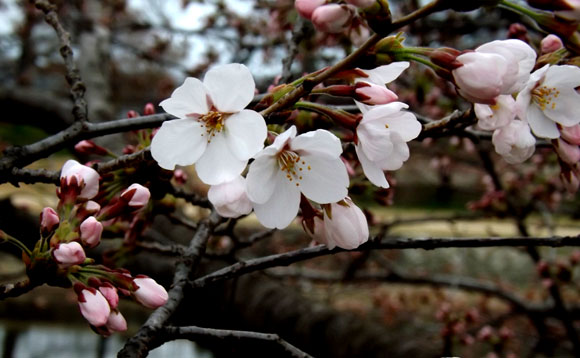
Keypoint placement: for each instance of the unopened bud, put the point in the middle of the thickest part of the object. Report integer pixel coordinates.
(569, 153)
(136, 196)
(551, 43)
(132, 114)
(306, 7)
(89, 147)
(91, 230)
(69, 254)
(372, 94)
(149, 293)
(49, 220)
(571, 134)
(149, 109)
(332, 18)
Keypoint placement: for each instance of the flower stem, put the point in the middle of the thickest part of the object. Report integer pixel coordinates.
(343, 118)
(4, 237)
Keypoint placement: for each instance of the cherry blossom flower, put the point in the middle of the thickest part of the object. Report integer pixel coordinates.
(230, 199)
(344, 225)
(150, 294)
(309, 164)
(514, 142)
(94, 307)
(550, 97)
(213, 131)
(491, 117)
(382, 137)
(494, 68)
(75, 174)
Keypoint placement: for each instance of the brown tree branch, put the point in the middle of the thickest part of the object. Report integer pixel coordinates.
(193, 333)
(16, 289)
(145, 338)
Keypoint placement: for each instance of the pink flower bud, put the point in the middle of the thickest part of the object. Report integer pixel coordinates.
(306, 7)
(49, 220)
(180, 176)
(116, 322)
(571, 134)
(136, 195)
(149, 293)
(569, 153)
(149, 109)
(230, 199)
(69, 254)
(345, 226)
(332, 18)
(363, 4)
(551, 43)
(94, 307)
(132, 114)
(91, 230)
(110, 293)
(571, 181)
(84, 181)
(92, 207)
(372, 94)
(90, 147)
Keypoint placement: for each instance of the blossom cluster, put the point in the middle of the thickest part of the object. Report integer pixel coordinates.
(77, 225)
(295, 171)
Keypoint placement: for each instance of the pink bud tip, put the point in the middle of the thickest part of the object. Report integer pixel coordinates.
(149, 109)
(137, 196)
(149, 293)
(69, 254)
(94, 307)
(49, 220)
(551, 43)
(91, 230)
(306, 7)
(332, 18)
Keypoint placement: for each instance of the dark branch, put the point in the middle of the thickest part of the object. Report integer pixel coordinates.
(193, 333)
(16, 289)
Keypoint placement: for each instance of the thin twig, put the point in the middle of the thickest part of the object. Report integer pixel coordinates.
(193, 333)
(16, 289)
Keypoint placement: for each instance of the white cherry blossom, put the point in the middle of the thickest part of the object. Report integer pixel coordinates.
(514, 142)
(307, 164)
(382, 136)
(491, 117)
(214, 131)
(550, 98)
(380, 76)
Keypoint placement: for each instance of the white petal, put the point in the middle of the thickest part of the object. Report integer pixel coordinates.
(260, 179)
(566, 106)
(398, 155)
(178, 142)
(375, 142)
(374, 174)
(231, 87)
(190, 97)
(279, 142)
(562, 76)
(363, 108)
(382, 111)
(282, 207)
(245, 133)
(541, 125)
(386, 73)
(218, 164)
(406, 125)
(319, 142)
(326, 181)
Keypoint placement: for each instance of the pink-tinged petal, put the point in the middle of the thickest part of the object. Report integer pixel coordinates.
(116, 322)
(405, 124)
(562, 76)
(218, 164)
(231, 87)
(481, 76)
(230, 199)
(324, 180)
(348, 227)
(282, 207)
(178, 142)
(564, 108)
(497, 116)
(149, 293)
(374, 174)
(189, 98)
(94, 307)
(363, 108)
(89, 176)
(245, 133)
(320, 142)
(260, 179)
(541, 125)
(385, 74)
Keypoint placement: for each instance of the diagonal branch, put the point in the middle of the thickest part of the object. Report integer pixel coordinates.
(16, 289)
(145, 339)
(193, 333)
